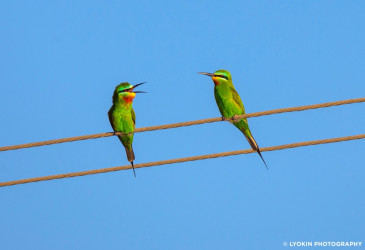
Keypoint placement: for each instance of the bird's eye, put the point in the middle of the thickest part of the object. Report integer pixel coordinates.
(223, 76)
(124, 90)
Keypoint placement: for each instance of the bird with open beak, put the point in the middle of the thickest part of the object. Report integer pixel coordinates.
(122, 117)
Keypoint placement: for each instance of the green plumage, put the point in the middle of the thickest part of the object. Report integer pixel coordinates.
(122, 117)
(230, 104)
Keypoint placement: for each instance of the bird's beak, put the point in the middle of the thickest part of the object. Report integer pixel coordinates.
(135, 86)
(130, 90)
(207, 74)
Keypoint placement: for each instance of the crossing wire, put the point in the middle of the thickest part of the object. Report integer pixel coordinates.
(182, 124)
(193, 158)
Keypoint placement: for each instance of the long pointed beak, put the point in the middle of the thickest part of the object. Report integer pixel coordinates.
(207, 74)
(135, 86)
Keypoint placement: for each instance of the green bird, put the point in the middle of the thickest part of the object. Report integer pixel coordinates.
(230, 104)
(122, 116)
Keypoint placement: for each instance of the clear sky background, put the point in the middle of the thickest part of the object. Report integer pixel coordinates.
(60, 62)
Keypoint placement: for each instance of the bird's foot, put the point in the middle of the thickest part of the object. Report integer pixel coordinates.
(235, 118)
(225, 118)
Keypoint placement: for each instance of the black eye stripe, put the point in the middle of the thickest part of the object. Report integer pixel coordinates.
(222, 76)
(125, 90)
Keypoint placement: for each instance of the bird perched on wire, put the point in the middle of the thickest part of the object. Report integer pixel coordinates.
(122, 116)
(230, 104)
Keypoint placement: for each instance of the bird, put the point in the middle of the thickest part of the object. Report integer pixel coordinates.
(123, 118)
(230, 105)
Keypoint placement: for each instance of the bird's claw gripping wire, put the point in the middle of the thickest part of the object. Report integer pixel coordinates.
(235, 118)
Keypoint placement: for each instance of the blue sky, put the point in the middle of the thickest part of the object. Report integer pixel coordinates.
(60, 62)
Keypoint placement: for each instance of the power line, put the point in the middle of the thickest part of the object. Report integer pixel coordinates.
(183, 124)
(192, 158)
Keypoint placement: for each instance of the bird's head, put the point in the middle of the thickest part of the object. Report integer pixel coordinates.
(125, 92)
(220, 76)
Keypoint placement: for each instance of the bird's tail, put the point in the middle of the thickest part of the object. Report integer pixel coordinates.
(255, 147)
(130, 156)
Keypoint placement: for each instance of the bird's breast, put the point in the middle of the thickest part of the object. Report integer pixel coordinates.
(129, 98)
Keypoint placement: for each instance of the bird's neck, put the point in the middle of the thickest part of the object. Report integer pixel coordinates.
(223, 90)
(223, 86)
(123, 101)
(128, 99)
(216, 81)
(124, 104)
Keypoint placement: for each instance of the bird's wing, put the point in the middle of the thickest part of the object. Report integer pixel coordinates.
(133, 117)
(110, 116)
(237, 99)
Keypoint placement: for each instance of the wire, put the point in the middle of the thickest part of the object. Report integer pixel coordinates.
(183, 124)
(193, 158)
